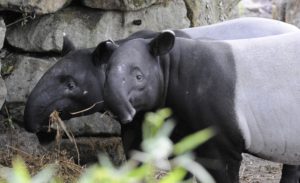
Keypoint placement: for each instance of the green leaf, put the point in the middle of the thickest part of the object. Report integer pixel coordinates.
(176, 175)
(166, 129)
(192, 141)
(140, 172)
(158, 148)
(20, 173)
(194, 168)
(46, 175)
(154, 121)
(105, 161)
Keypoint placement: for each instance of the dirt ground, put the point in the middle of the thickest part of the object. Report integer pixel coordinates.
(256, 170)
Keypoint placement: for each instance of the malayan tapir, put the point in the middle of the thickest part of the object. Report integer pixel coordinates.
(248, 90)
(76, 81)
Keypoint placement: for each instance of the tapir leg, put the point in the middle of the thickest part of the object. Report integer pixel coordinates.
(233, 167)
(290, 174)
(131, 134)
(212, 159)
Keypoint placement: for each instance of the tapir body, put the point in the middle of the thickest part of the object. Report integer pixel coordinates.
(248, 89)
(76, 81)
(247, 27)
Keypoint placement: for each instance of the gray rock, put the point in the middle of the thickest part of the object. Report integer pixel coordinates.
(27, 72)
(287, 11)
(2, 32)
(3, 92)
(33, 6)
(93, 125)
(123, 5)
(87, 27)
(16, 112)
(279, 9)
(90, 147)
(3, 89)
(14, 138)
(250, 8)
(202, 12)
(157, 17)
(20, 140)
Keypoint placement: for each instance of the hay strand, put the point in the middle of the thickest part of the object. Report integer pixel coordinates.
(87, 109)
(61, 127)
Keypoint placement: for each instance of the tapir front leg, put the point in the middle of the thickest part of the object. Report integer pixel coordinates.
(223, 169)
(233, 167)
(290, 174)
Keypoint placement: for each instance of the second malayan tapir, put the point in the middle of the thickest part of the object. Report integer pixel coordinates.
(249, 90)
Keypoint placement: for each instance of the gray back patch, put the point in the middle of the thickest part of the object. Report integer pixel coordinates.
(240, 28)
(267, 101)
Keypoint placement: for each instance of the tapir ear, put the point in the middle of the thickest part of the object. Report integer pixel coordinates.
(103, 52)
(67, 45)
(163, 43)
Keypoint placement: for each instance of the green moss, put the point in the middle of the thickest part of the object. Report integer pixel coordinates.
(8, 65)
(138, 3)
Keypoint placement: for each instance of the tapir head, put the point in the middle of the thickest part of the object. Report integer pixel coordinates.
(134, 77)
(73, 84)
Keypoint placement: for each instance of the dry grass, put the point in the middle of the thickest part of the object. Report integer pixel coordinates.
(60, 129)
(68, 170)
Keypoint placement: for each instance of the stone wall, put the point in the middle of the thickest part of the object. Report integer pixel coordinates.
(31, 40)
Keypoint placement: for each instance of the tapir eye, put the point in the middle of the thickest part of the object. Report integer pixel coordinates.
(71, 85)
(139, 77)
(136, 72)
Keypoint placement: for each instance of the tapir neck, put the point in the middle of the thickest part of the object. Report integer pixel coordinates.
(193, 61)
(164, 62)
(199, 79)
(100, 73)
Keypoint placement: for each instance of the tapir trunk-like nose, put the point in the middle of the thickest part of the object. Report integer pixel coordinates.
(117, 99)
(35, 112)
(30, 121)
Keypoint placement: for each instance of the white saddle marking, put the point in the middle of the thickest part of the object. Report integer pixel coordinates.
(267, 101)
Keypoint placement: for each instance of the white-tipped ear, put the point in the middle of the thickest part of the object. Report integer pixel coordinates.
(68, 45)
(169, 31)
(163, 43)
(103, 51)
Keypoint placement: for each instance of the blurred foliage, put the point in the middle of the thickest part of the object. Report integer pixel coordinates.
(20, 174)
(158, 153)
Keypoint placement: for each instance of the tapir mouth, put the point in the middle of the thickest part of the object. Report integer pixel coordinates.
(128, 116)
(124, 112)
(45, 124)
(46, 133)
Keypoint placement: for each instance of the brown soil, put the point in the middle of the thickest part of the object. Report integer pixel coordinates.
(256, 170)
